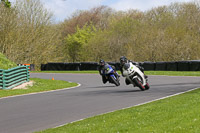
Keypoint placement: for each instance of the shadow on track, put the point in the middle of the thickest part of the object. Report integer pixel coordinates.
(127, 91)
(102, 86)
(115, 91)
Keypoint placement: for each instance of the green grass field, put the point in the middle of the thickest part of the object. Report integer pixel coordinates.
(79, 72)
(174, 73)
(5, 63)
(169, 73)
(40, 85)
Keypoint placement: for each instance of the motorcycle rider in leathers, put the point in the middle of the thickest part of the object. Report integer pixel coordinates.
(102, 64)
(124, 60)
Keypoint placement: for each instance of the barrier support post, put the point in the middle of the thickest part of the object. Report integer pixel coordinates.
(3, 80)
(27, 73)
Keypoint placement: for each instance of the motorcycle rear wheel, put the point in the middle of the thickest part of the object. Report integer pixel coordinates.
(147, 86)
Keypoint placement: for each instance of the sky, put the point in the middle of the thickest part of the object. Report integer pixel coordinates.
(63, 9)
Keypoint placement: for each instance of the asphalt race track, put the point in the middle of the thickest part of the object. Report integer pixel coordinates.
(29, 113)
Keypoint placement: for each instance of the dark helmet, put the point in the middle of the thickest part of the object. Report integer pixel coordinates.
(101, 62)
(123, 60)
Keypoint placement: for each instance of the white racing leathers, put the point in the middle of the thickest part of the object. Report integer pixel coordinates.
(135, 76)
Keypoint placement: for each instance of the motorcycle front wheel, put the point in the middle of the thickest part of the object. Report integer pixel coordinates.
(115, 81)
(139, 84)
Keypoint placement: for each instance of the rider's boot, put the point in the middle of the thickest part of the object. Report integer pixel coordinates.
(104, 79)
(127, 81)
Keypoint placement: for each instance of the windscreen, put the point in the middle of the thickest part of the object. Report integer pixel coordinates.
(126, 66)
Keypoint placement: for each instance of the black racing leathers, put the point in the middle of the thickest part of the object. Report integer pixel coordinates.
(101, 70)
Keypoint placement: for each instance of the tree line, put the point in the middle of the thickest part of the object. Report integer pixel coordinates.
(28, 34)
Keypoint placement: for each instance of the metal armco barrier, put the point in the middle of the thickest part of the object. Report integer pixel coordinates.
(14, 77)
(193, 65)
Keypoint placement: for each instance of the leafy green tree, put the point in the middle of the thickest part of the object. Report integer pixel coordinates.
(6, 3)
(77, 43)
(117, 40)
(165, 33)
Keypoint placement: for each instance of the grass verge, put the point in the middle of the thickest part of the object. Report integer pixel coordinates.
(174, 73)
(6, 63)
(40, 85)
(179, 114)
(169, 73)
(79, 72)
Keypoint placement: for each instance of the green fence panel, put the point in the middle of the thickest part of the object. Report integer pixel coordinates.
(19, 83)
(14, 77)
(15, 82)
(14, 72)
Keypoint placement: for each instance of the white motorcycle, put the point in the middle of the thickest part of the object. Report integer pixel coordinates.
(135, 76)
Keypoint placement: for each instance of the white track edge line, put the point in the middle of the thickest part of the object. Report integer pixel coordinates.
(130, 106)
(42, 92)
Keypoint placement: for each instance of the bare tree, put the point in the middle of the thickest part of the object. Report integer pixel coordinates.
(30, 35)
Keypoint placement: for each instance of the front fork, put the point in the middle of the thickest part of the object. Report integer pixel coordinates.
(116, 74)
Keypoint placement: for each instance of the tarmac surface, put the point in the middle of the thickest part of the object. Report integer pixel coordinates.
(36, 112)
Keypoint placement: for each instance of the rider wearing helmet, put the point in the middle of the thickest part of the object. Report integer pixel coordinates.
(124, 60)
(102, 64)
